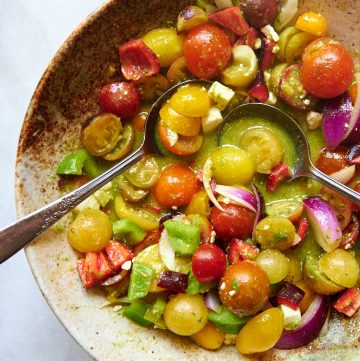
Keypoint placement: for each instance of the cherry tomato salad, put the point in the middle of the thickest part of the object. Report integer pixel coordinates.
(209, 240)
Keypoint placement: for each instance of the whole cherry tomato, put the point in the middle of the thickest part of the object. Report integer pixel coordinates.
(207, 51)
(208, 263)
(331, 161)
(244, 288)
(235, 222)
(327, 69)
(176, 186)
(121, 98)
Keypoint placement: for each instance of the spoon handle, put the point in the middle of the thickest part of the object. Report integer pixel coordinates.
(334, 185)
(17, 235)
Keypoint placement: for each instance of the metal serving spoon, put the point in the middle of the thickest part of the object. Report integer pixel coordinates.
(17, 235)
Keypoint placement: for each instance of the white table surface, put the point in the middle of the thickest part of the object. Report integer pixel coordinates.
(30, 33)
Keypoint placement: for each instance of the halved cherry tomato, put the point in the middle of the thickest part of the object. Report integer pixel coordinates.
(235, 222)
(342, 206)
(121, 98)
(330, 64)
(353, 93)
(183, 146)
(124, 145)
(181, 124)
(151, 87)
(350, 234)
(312, 23)
(177, 71)
(331, 161)
(176, 186)
(207, 51)
(139, 121)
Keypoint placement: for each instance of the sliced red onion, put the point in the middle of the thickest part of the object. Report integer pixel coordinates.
(260, 206)
(352, 135)
(287, 12)
(238, 195)
(336, 118)
(324, 223)
(344, 175)
(310, 325)
(212, 301)
(207, 174)
(167, 253)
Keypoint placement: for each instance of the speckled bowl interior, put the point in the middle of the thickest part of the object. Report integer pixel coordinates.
(66, 95)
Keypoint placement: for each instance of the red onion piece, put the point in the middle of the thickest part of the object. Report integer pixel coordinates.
(354, 155)
(352, 135)
(240, 196)
(344, 175)
(324, 223)
(173, 281)
(212, 301)
(336, 118)
(260, 206)
(310, 326)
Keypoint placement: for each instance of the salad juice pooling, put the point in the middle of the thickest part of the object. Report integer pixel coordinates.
(209, 240)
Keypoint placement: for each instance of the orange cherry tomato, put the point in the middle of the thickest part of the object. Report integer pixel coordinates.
(207, 51)
(178, 123)
(184, 145)
(139, 121)
(353, 93)
(327, 69)
(176, 186)
(312, 23)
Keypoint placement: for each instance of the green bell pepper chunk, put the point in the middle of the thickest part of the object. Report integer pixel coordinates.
(78, 162)
(140, 279)
(227, 322)
(155, 311)
(184, 238)
(129, 230)
(136, 311)
(194, 286)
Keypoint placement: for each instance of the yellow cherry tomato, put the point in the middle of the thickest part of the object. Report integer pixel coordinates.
(312, 23)
(90, 231)
(200, 204)
(181, 124)
(261, 333)
(209, 337)
(166, 44)
(191, 101)
(185, 315)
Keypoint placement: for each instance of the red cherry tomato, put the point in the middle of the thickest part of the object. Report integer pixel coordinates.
(208, 263)
(235, 222)
(244, 288)
(176, 186)
(207, 51)
(121, 98)
(327, 69)
(331, 161)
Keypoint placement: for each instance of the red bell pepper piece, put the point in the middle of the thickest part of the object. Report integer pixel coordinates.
(87, 280)
(239, 250)
(267, 56)
(302, 232)
(290, 295)
(349, 302)
(118, 254)
(151, 238)
(248, 39)
(232, 19)
(279, 173)
(97, 266)
(258, 89)
(138, 60)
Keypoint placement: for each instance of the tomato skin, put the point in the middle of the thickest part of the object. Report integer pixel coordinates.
(244, 288)
(208, 263)
(207, 51)
(120, 98)
(235, 222)
(327, 69)
(176, 186)
(331, 161)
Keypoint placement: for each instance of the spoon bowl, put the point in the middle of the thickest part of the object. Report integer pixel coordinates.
(303, 165)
